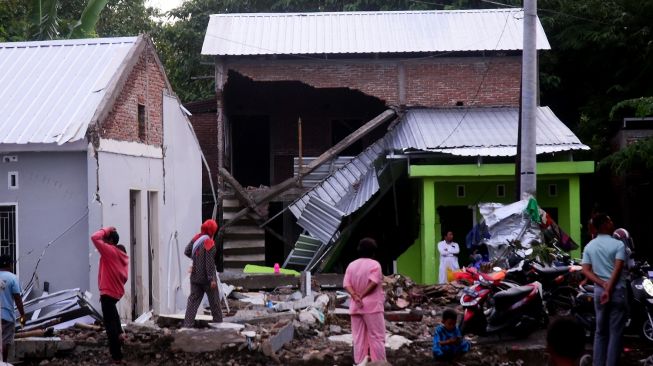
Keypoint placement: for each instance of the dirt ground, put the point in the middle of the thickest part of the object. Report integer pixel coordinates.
(151, 344)
(311, 347)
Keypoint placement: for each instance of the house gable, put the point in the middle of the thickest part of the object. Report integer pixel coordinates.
(136, 115)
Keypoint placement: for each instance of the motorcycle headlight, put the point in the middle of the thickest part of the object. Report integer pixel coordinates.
(648, 286)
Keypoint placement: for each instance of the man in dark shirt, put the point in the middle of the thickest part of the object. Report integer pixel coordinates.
(203, 280)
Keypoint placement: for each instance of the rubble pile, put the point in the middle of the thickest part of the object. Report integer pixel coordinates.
(280, 327)
(401, 292)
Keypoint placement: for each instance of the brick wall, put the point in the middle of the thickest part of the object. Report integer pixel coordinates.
(434, 82)
(144, 86)
(204, 124)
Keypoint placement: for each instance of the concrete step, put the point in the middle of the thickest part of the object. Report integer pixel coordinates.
(231, 203)
(235, 244)
(244, 232)
(244, 247)
(239, 261)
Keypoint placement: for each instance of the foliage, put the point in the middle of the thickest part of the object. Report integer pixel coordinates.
(601, 55)
(44, 19)
(13, 20)
(636, 157)
(54, 19)
(122, 18)
(85, 26)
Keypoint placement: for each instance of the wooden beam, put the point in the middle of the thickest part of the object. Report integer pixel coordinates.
(328, 155)
(241, 193)
(323, 158)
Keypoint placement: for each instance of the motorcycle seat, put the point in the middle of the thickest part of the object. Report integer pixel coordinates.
(512, 294)
(552, 271)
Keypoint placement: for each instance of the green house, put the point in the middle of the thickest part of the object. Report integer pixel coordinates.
(459, 158)
(426, 175)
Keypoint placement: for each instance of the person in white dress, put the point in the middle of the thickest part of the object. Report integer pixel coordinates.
(448, 256)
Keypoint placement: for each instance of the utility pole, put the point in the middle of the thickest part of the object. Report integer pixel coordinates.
(527, 171)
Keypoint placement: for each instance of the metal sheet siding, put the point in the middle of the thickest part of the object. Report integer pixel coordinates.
(479, 132)
(50, 90)
(366, 32)
(346, 190)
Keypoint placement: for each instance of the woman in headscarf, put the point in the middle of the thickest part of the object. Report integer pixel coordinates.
(203, 280)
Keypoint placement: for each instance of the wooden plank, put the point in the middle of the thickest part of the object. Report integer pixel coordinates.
(241, 193)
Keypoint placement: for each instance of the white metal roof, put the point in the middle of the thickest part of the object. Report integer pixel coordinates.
(366, 32)
(50, 90)
(479, 132)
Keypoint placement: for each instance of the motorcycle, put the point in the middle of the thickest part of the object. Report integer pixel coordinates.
(493, 305)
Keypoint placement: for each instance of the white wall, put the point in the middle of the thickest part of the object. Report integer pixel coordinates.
(175, 174)
(182, 214)
(118, 175)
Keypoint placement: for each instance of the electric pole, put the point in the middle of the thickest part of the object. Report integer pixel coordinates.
(527, 171)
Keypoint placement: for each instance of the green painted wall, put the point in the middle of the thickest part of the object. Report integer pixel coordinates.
(421, 260)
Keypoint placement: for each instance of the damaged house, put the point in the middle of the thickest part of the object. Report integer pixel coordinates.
(394, 125)
(91, 135)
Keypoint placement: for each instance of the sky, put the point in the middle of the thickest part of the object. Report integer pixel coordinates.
(164, 5)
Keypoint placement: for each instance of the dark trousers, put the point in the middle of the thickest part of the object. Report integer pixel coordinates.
(197, 292)
(112, 325)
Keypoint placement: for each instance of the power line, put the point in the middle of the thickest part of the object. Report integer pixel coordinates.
(478, 90)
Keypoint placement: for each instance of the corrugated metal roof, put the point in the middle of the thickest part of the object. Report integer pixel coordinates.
(479, 132)
(344, 191)
(322, 172)
(458, 131)
(50, 90)
(366, 32)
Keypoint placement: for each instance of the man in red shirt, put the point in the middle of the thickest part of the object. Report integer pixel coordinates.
(112, 276)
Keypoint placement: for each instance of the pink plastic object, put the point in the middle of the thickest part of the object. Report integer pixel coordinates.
(276, 268)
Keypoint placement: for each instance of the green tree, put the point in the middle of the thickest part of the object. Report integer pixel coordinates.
(13, 20)
(601, 55)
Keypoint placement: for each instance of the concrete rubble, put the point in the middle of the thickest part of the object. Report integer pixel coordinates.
(287, 328)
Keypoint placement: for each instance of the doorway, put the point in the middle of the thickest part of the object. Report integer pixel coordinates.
(459, 220)
(135, 247)
(251, 150)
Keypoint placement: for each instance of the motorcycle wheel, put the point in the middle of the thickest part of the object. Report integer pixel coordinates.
(476, 326)
(585, 360)
(647, 330)
(561, 301)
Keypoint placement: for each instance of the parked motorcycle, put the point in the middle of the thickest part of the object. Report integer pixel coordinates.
(494, 305)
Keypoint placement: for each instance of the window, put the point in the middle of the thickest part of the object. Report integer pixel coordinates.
(501, 190)
(141, 122)
(553, 190)
(460, 191)
(8, 233)
(12, 180)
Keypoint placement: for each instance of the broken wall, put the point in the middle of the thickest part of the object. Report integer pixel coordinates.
(427, 82)
(144, 86)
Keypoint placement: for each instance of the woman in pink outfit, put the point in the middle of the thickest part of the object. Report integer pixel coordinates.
(363, 281)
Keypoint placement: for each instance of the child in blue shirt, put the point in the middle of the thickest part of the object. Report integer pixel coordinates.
(448, 342)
